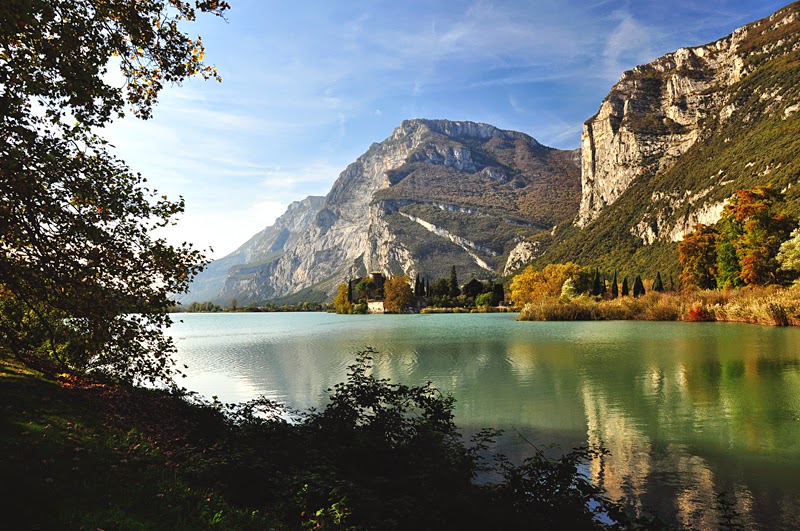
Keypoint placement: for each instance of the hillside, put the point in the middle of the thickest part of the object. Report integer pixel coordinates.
(675, 138)
(436, 193)
(672, 141)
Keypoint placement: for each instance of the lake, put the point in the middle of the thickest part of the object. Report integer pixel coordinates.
(687, 410)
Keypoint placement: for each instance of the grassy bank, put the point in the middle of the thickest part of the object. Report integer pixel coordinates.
(767, 306)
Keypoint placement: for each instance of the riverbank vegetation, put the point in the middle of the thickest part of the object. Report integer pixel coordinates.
(739, 270)
(210, 307)
(766, 306)
(397, 295)
(81, 452)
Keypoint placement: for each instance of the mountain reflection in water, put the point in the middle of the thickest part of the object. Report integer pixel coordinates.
(687, 410)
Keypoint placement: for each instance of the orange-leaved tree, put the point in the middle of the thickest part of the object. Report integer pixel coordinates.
(398, 295)
(698, 257)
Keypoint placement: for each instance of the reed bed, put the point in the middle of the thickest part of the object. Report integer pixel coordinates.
(767, 306)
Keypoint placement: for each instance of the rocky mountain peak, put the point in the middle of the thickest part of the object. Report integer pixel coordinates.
(455, 130)
(435, 193)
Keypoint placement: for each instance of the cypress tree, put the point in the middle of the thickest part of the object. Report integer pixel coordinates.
(498, 295)
(349, 290)
(658, 285)
(638, 286)
(625, 291)
(614, 287)
(452, 284)
(596, 289)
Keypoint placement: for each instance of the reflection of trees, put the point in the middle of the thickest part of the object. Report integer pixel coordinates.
(684, 414)
(678, 421)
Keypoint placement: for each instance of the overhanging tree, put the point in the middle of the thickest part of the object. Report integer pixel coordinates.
(84, 283)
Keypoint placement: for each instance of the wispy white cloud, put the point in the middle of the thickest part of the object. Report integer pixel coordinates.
(308, 86)
(629, 44)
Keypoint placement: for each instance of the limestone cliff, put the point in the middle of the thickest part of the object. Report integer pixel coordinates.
(675, 139)
(436, 193)
(658, 111)
(266, 246)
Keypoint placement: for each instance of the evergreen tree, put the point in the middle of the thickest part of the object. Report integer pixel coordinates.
(638, 286)
(596, 287)
(452, 284)
(658, 285)
(428, 287)
(498, 294)
(625, 291)
(614, 287)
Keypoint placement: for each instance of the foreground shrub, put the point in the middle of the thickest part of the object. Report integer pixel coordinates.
(388, 456)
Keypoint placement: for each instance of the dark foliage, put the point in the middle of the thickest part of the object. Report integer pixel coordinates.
(83, 283)
(389, 456)
(638, 286)
(658, 284)
(597, 288)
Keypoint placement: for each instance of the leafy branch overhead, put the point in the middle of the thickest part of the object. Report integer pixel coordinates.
(85, 284)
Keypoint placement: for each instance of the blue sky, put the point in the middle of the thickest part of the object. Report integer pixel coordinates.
(309, 85)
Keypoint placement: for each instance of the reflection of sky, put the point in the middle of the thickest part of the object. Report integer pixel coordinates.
(685, 409)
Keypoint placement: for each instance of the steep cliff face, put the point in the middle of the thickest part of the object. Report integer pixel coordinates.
(435, 193)
(658, 111)
(676, 138)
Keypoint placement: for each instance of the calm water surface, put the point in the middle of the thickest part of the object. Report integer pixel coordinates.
(687, 410)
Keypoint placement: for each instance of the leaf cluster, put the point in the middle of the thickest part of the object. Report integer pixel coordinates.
(386, 455)
(77, 253)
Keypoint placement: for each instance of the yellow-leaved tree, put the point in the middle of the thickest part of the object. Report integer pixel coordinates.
(532, 284)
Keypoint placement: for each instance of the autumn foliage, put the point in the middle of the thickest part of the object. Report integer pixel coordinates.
(743, 248)
(533, 284)
(398, 295)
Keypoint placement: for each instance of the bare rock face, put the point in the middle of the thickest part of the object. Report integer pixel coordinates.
(264, 247)
(657, 111)
(520, 255)
(435, 193)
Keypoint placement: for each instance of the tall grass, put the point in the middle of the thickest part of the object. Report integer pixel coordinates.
(767, 306)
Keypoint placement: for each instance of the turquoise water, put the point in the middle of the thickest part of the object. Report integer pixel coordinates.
(687, 410)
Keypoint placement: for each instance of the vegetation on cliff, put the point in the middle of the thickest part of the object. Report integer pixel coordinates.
(746, 137)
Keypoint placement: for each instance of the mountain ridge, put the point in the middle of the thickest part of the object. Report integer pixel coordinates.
(667, 147)
(435, 193)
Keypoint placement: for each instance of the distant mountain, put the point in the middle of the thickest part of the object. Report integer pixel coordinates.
(675, 138)
(436, 193)
(672, 141)
(263, 248)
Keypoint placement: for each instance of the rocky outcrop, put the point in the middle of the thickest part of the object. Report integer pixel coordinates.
(520, 255)
(459, 171)
(658, 111)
